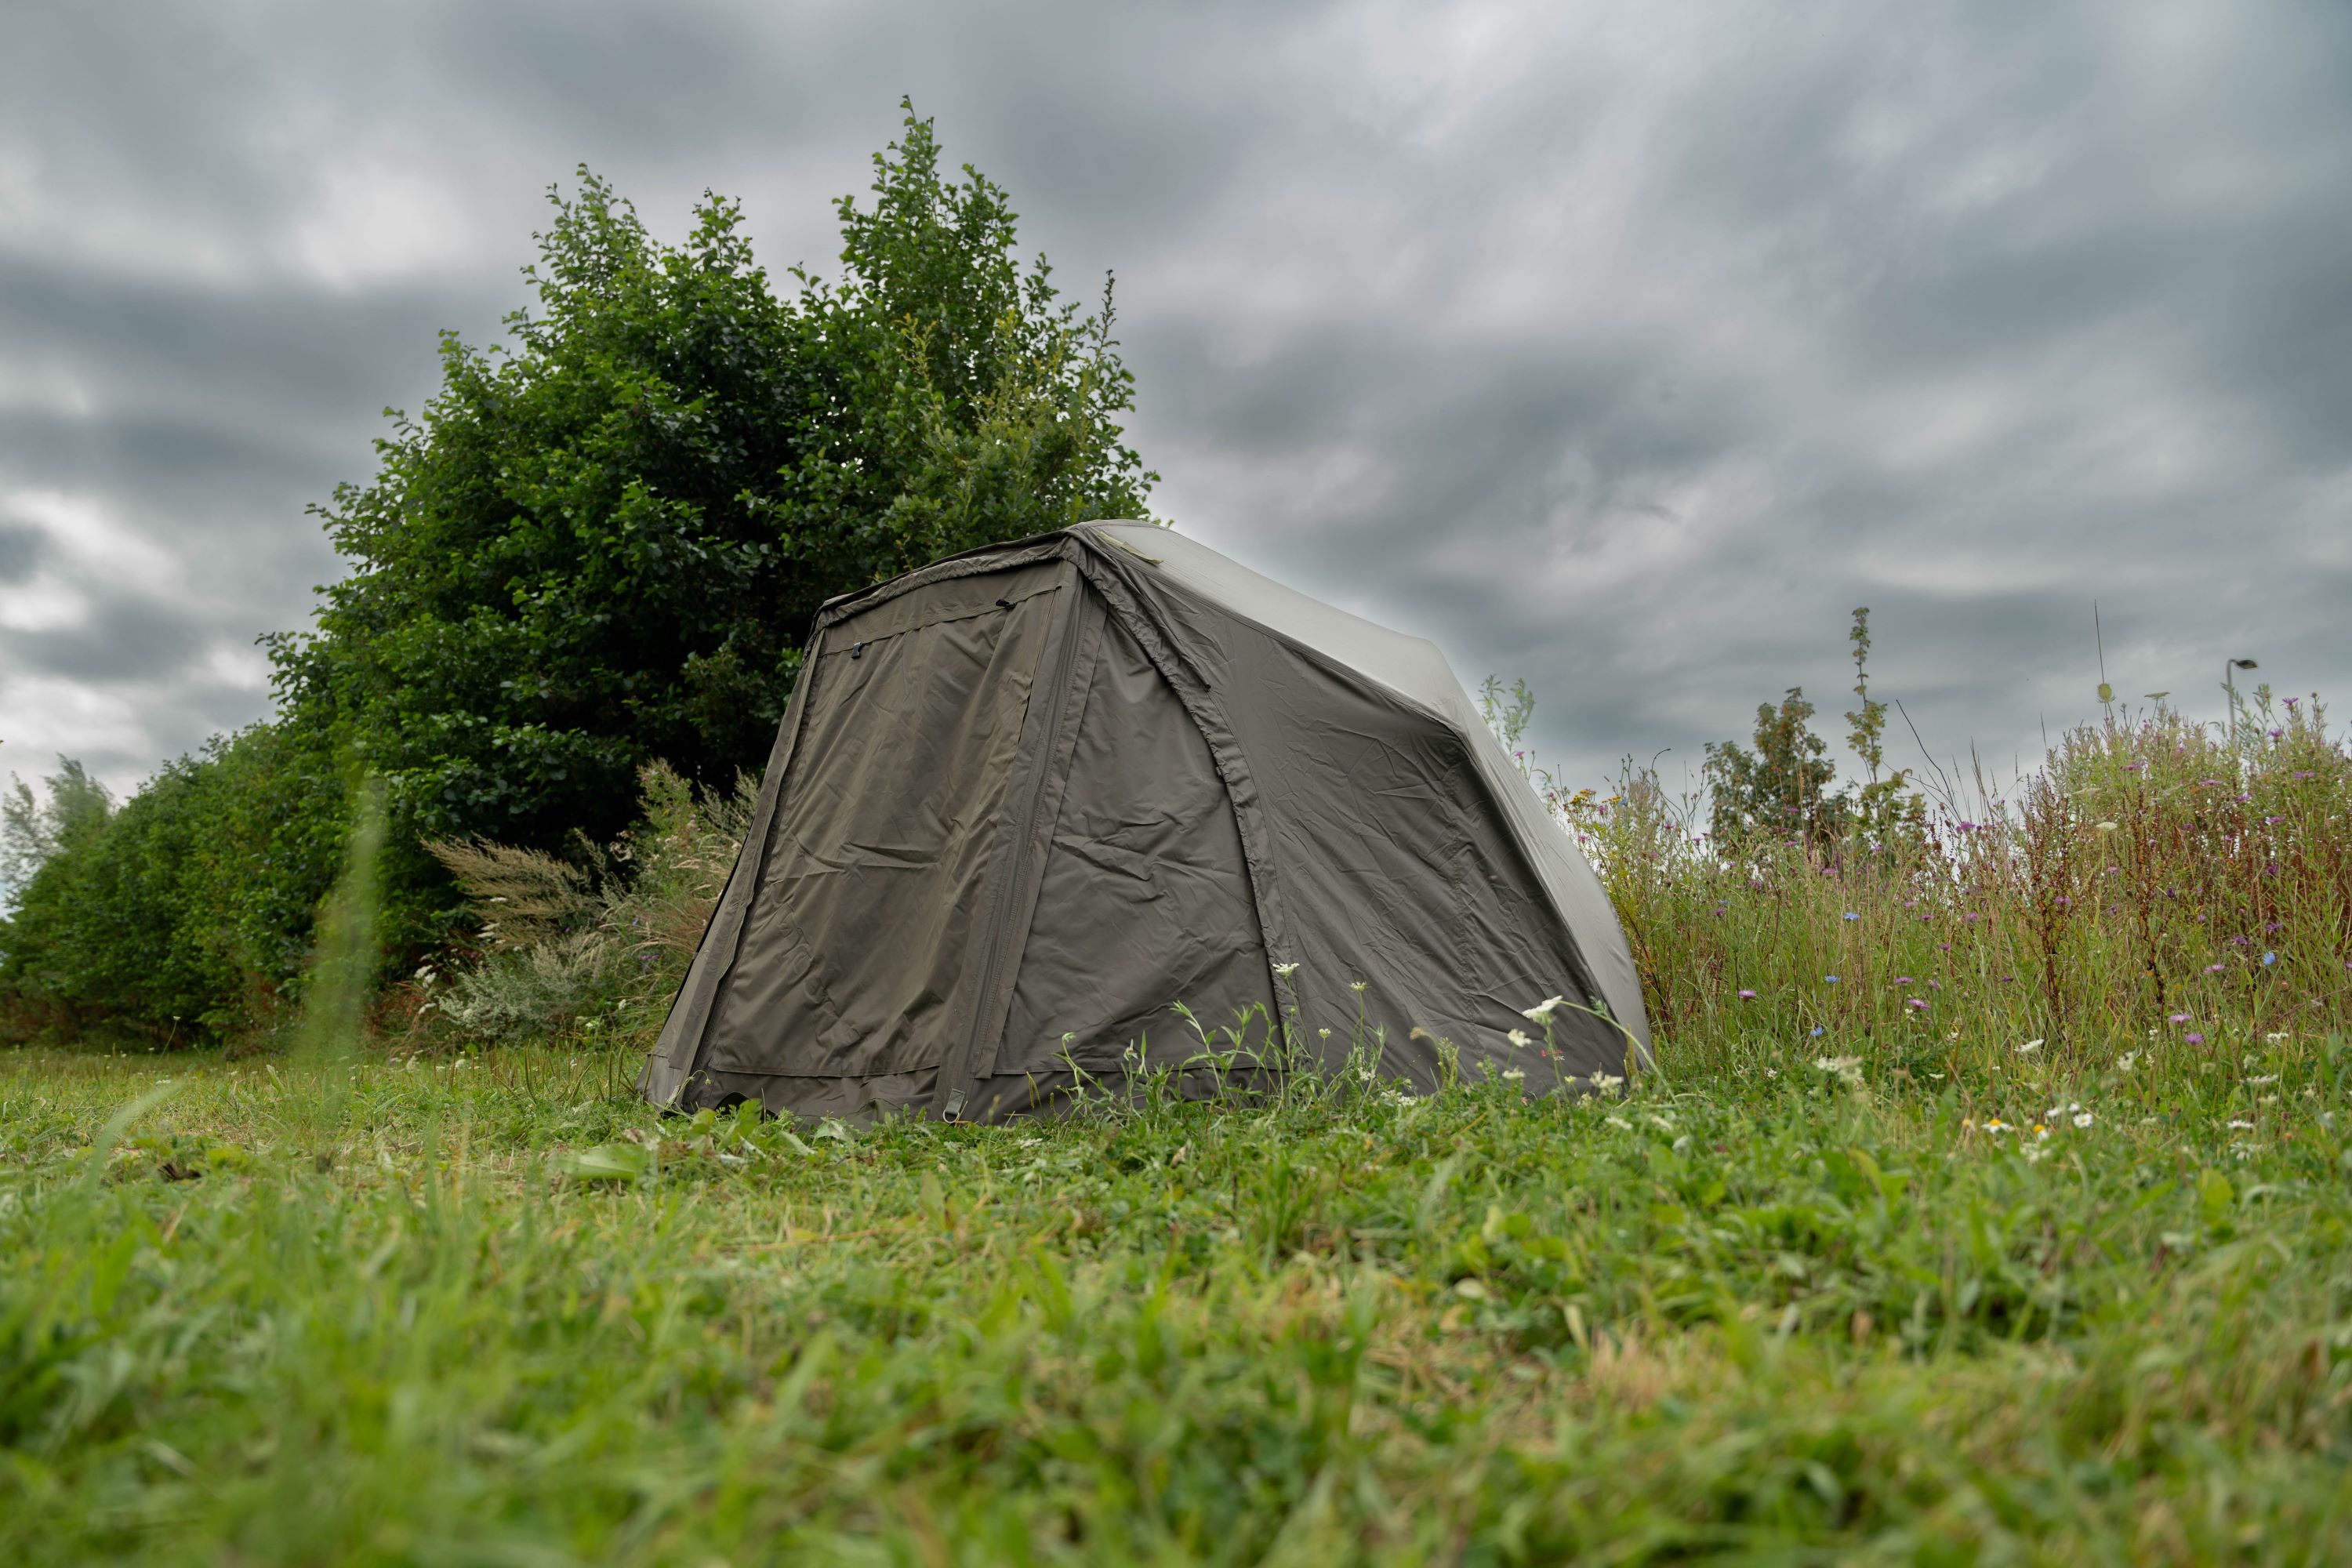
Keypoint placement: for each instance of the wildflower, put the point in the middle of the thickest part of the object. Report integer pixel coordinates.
(1817, 1032)
(2242, 1127)
(2041, 1130)
(2216, 969)
(1511, 1074)
(2194, 1038)
(1518, 1037)
(2269, 958)
(1607, 1082)
(2277, 1038)
(1619, 1122)
(1748, 995)
(1917, 1003)
(2081, 1119)
(1285, 971)
(1904, 979)
(1357, 986)
(1943, 947)
(2105, 827)
(1542, 1010)
(1832, 979)
(1322, 1033)
(1996, 1127)
(2177, 1018)
(2124, 1062)
(2034, 1152)
(1851, 916)
(2264, 1078)
(2028, 1048)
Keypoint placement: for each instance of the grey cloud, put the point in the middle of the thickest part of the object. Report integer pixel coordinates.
(1626, 347)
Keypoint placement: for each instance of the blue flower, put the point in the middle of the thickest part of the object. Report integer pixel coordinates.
(1851, 916)
(1830, 979)
(2269, 958)
(1817, 1031)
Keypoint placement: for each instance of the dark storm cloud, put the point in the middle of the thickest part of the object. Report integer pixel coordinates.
(1624, 347)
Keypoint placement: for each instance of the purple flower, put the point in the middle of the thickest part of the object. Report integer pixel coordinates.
(1748, 995)
(1943, 947)
(2212, 969)
(2269, 821)
(2177, 1018)
(1829, 979)
(1971, 917)
(2210, 784)
(2303, 773)
(1904, 979)
(2276, 733)
(2193, 1039)
(1916, 1003)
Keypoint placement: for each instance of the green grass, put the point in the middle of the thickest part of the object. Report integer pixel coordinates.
(1774, 1314)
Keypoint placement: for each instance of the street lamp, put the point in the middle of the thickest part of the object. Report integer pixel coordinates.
(2230, 668)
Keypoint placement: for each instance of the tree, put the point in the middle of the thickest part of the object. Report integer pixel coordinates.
(599, 544)
(1783, 786)
(607, 543)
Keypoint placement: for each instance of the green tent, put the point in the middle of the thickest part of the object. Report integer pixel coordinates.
(1025, 798)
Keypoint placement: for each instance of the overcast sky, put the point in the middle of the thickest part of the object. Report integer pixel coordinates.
(1621, 347)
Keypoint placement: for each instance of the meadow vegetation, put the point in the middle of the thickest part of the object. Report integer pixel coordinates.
(2023, 1238)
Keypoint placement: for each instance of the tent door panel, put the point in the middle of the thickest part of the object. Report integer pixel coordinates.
(1144, 898)
(856, 958)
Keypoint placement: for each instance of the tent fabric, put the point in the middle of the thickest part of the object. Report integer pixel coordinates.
(1025, 799)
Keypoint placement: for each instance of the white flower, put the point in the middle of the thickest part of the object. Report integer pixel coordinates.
(2083, 1118)
(1514, 1074)
(2265, 1077)
(2028, 1048)
(2034, 1152)
(2242, 1127)
(1996, 1127)
(2275, 1039)
(1542, 1010)
(1619, 1122)
(1520, 1038)
(2124, 1062)
(1285, 970)
(1607, 1082)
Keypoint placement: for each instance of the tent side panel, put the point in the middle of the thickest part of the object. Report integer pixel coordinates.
(1145, 899)
(855, 957)
(1397, 867)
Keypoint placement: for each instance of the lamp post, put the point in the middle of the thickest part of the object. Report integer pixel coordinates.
(2230, 668)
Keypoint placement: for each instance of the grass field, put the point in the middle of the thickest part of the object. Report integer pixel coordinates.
(520, 1319)
(1990, 1203)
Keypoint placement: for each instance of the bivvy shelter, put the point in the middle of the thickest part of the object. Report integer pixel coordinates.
(1026, 797)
